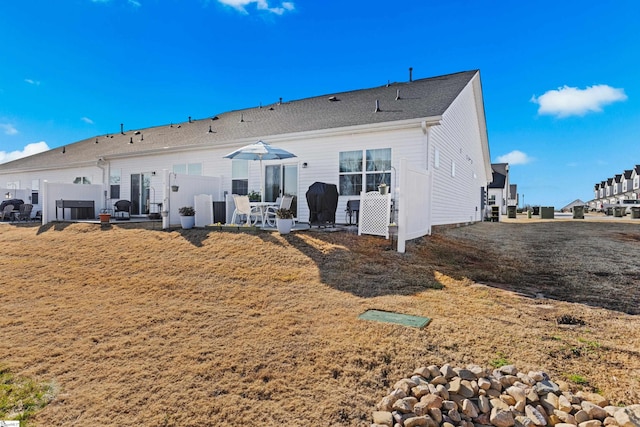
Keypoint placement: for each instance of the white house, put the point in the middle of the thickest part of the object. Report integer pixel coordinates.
(355, 139)
(498, 193)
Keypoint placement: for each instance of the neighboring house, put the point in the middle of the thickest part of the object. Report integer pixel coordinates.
(570, 206)
(635, 178)
(624, 186)
(498, 189)
(627, 185)
(617, 184)
(354, 139)
(513, 197)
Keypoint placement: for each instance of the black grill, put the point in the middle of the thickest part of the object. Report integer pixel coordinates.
(322, 199)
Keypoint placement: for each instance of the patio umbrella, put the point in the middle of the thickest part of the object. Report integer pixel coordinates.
(260, 151)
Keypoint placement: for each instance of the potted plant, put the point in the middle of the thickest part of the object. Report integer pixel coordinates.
(383, 188)
(187, 217)
(254, 196)
(284, 220)
(105, 217)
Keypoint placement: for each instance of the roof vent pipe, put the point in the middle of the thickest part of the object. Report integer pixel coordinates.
(410, 74)
(241, 117)
(377, 105)
(280, 102)
(189, 119)
(210, 131)
(131, 140)
(122, 128)
(142, 137)
(397, 94)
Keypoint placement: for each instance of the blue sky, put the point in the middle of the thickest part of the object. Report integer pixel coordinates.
(560, 78)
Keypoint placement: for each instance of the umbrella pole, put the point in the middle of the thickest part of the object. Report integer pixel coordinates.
(261, 183)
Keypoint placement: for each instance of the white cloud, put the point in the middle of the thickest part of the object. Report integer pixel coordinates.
(32, 82)
(28, 150)
(87, 120)
(516, 157)
(571, 101)
(8, 129)
(240, 5)
(134, 3)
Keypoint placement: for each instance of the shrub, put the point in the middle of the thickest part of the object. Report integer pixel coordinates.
(187, 211)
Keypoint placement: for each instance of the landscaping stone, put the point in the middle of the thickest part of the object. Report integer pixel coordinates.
(449, 396)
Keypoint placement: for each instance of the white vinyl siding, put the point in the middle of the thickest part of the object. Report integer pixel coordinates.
(455, 191)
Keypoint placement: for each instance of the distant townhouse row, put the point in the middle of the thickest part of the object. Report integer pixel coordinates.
(614, 190)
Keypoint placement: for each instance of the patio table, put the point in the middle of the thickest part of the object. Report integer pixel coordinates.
(263, 206)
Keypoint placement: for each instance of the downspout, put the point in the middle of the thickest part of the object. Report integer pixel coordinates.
(425, 130)
(166, 177)
(104, 165)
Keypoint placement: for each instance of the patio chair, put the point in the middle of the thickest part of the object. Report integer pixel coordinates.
(122, 210)
(243, 208)
(6, 212)
(270, 214)
(37, 216)
(25, 212)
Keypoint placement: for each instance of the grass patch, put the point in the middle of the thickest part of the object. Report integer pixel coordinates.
(21, 397)
(577, 379)
(591, 344)
(500, 361)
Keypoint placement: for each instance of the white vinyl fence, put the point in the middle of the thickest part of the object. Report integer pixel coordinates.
(375, 214)
(414, 205)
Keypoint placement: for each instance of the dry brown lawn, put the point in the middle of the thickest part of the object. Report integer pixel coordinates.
(193, 328)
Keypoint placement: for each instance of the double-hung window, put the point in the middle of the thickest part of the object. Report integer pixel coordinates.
(240, 177)
(364, 170)
(114, 183)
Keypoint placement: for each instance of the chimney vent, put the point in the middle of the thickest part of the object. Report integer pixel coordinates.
(410, 74)
(131, 140)
(377, 106)
(241, 117)
(64, 150)
(280, 102)
(210, 131)
(122, 128)
(141, 137)
(397, 94)
(189, 119)
(96, 140)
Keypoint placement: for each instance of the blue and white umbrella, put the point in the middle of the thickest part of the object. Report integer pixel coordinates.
(260, 151)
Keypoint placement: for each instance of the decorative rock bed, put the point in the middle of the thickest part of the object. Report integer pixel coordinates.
(474, 397)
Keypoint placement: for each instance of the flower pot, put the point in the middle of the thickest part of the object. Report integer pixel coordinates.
(174, 188)
(105, 217)
(187, 222)
(383, 189)
(284, 225)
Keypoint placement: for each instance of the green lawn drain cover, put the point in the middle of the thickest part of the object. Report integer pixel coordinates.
(401, 319)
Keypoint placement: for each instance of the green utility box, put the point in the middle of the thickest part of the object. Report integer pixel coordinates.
(578, 212)
(495, 213)
(635, 212)
(511, 211)
(546, 212)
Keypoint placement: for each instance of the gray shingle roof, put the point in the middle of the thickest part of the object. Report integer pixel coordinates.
(500, 172)
(421, 98)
